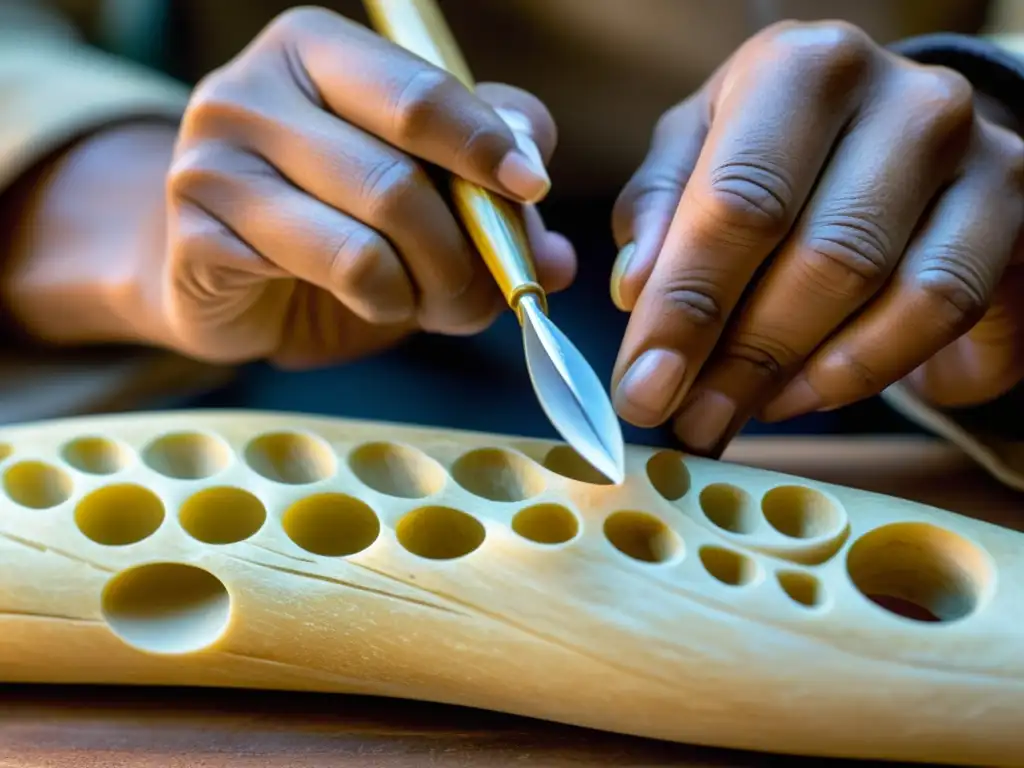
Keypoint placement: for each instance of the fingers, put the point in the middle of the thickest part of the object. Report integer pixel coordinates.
(407, 102)
(941, 289)
(850, 237)
(282, 226)
(774, 123)
(646, 205)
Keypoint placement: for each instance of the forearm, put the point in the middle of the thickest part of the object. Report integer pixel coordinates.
(82, 226)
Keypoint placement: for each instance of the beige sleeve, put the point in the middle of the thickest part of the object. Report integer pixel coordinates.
(54, 89)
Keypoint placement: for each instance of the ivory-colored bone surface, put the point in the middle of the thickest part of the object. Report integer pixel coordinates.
(700, 601)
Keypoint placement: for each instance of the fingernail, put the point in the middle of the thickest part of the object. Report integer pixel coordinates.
(523, 173)
(648, 389)
(704, 422)
(618, 271)
(796, 399)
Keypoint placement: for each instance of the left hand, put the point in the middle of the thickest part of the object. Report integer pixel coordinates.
(820, 220)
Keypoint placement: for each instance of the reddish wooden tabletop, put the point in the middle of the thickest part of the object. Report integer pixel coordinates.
(54, 727)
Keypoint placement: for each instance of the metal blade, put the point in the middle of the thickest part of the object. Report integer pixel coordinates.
(571, 394)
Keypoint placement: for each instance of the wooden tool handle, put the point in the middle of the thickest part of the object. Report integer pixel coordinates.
(698, 601)
(494, 224)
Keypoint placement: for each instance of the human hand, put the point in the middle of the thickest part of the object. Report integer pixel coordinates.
(303, 225)
(820, 220)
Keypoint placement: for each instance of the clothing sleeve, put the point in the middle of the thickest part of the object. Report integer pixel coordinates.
(992, 434)
(56, 89)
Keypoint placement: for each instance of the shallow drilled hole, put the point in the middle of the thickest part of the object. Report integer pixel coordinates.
(397, 470)
(118, 515)
(642, 537)
(728, 566)
(331, 524)
(919, 571)
(6, 449)
(222, 515)
(37, 485)
(803, 588)
(729, 507)
(546, 524)
(187, 455)
(498, 475)
(800, 512)
(566, 461)
(440, 533)
(669, 475)
(167, 608)
(95, 455)
(292, 458)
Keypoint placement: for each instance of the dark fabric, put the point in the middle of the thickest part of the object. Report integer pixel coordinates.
(481, 383)
(992, 70)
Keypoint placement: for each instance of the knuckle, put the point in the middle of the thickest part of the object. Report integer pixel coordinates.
(946, 98)
(356, 261)
(749, 194)
(419, 104)
(953, 284)
(697, 302)
(832, 49)
(390, 189)
(766, 356)
(219, 102)
(193, 171)
(860, 376)
(847, 253)
(296, 19)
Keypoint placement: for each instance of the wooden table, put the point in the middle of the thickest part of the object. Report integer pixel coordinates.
(89, 727)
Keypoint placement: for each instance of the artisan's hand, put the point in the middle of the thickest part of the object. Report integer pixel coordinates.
(304, 226)
(847, 214)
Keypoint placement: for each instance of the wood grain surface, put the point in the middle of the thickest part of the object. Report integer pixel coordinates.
(80, 727)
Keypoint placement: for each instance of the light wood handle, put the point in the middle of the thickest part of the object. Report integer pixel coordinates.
(699, 601)
(494, 224)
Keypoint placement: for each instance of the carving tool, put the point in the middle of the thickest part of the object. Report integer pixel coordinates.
(568, 389)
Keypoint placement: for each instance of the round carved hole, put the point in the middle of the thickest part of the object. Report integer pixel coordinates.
(668, 474)
(222, 515)
(397, 470)
(642, 537)
(167, 608)
(95, 455)
(564, 460)
(291, 458)
(800, 512)
(440, 533)
(729, 507)
(728, 566)
(498, 475)
(546, 524)
(187, 456)
(920, 571)
(803, 588)
(118, 515)
(37, 485)
(331, 524)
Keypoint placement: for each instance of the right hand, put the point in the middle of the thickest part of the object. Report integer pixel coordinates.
(303, 226)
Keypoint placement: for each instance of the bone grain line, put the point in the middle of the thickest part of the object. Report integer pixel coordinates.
(47, 617)
(349, 585)
(544, 638)
(40, 547)
(283, 554)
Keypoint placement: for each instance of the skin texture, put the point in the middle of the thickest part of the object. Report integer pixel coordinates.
(299, 220)
(822, 219)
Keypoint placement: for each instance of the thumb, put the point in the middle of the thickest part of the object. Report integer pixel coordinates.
(647, 204)
(984, 363)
